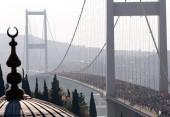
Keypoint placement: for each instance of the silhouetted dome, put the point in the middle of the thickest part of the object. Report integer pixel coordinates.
(31, 107)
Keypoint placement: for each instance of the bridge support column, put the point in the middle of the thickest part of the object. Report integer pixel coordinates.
(45, 38)
(26, 39)
(42, 46)
(163, 66)
(111, 110)
(110, 78)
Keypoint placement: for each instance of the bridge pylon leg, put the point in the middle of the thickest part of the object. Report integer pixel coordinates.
(162, 43)
(110, 78)
(110, 109)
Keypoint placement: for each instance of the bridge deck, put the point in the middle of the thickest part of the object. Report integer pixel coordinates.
(136, 108)
(147, 98)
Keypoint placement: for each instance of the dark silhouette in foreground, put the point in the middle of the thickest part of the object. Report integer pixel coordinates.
(45, 92)
(14, 78)
(2, 87)
(25, 84)
(92, 108)
(56, 98)
(75, 103)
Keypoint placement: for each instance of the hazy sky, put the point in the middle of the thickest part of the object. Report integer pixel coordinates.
(62, 15)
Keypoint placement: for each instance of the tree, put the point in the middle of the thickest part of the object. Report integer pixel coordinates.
(7, 86)
(36, 92)
(25, 83)
(83, 106)
(45, 92)
(68, 92)
(2, 87)
(92, 108)
(82, 99)
(23, 80)
(27, 90)
(56, 98)
(121, 115)
(55, 80)
(75, 103)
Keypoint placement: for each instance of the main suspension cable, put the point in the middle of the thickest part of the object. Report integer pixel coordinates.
(79, 19)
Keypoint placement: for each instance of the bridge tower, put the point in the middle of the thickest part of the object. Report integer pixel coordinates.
(134, 9)
(36, 46)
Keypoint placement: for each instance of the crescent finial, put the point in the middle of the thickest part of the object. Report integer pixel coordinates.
(14, 35)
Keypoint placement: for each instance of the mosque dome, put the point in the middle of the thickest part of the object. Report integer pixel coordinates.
(17, 104)
(31, 107)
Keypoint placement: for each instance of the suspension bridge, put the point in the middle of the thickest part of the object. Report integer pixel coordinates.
(118, 49)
